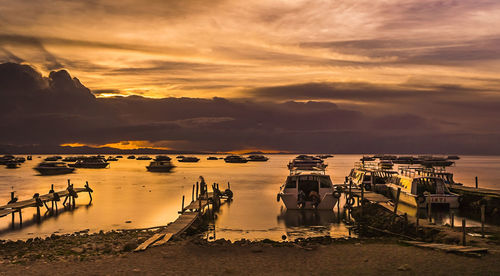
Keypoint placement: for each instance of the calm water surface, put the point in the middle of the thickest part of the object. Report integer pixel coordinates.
(127, 196)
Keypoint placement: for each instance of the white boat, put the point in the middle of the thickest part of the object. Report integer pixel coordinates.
(91, 162)
(420, 190)
(160, 166)
(308, 187)
(53, 168)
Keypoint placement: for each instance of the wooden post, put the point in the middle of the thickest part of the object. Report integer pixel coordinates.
(429, 208)
(397, 201)
(199, 201)
(338, 209)
(20, 218)
(464, 243)
(476, 183)
(418, 219)
(192, 194)
(73, 202)
(197, 190)
(452, 220)
(482, 219)
(229, 185)
(12, 200)
(362, 197)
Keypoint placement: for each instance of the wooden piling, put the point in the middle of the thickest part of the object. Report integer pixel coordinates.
(429, 209)
(192, 194)
(182, 208)
(482, 219)
(12, 200)
(397, 201)
(338, 208)
(197, 190)
(452, 220)
(464, 242)
(477, 184)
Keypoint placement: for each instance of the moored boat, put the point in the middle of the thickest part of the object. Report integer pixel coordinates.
(111, 158)
(13, 164)
(257, 158)
(189, 159)
(92, 162)
(235, 159)
(160, 166)
(51, 158)
(307, 162)
(131, 157)
(53, 168)
(418, 190)
(162, 158)
(144, 158)
(308, 187)
(212, 158)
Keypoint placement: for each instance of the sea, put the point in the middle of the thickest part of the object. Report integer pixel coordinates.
(127, 196)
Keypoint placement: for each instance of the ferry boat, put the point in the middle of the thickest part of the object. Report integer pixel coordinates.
(12, 164)
(418, 190)
(189, 159)
(92, 162)
(144, 158)
(307, 162)
(308, 186)
(257, 158)
(53, 168)
(160, 166)
(371, 175)
(212, 158)
(162, 158)
(235, 159)
(131, 157)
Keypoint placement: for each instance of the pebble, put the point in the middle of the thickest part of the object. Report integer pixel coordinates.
(404, 267)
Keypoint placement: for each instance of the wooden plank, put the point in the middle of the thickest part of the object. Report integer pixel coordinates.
(163, 240)
(149, 241)
(5, 212)
(448, 247)
(43, 198)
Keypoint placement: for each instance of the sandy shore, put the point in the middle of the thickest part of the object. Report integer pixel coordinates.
(108, 254)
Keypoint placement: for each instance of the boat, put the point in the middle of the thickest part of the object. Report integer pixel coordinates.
(367, 158)
(324, 156)
(162, 158)
(29, 157)
(212, 158)
(257, 158)
(144, 158)
(189, 159)
(92, 162)
(371, 176)
(308, 187)
(407, 160)
(453, 157)
(235, 159)
(20, 159)
(160, 166)
(13, 164)
(307, 162)
(70, 159)
(419, 190)
(53, 168)
(111, 158)
(51, 158)
(131, 157)
(179, 156)
(432, 161)
(119, 156)
(6, 158)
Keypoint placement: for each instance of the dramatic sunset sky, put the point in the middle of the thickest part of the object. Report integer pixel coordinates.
(297, 75)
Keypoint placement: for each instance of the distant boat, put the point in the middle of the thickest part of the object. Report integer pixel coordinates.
(29, 157)
(111, 158)
(144, 158)
(51, 158)
(162, 158)
(12, 164)
(189, 159)
(307, 162)
(235, 159)
(257, 158)
(212, 158)
(20, 159)
(453, 157)
(92, 162)
(53, 168)
(160, 166)
(131, 157)
(179, 156)
(325, 156)
(119, 156)
(69, 159)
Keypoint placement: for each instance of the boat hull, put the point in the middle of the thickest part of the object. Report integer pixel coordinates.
(51, 171)
(90, 166)
(450, 200)
(328, 201)
(159, 169)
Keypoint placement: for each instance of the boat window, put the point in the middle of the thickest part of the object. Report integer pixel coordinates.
(291, 182)
(324, 182)
(308, 185)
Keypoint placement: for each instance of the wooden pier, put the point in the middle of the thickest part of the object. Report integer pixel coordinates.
(201, 202)
(38, 201)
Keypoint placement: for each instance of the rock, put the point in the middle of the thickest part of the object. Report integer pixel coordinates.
(404, 267)
(128, 221)
(77, 250)
(130, 246)
(136, 270)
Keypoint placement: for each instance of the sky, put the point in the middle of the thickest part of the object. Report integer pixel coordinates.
(304, 75)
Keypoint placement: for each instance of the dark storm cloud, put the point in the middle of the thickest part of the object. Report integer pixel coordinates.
(58, 109)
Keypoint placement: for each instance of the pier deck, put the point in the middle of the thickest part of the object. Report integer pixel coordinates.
(472, 191)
